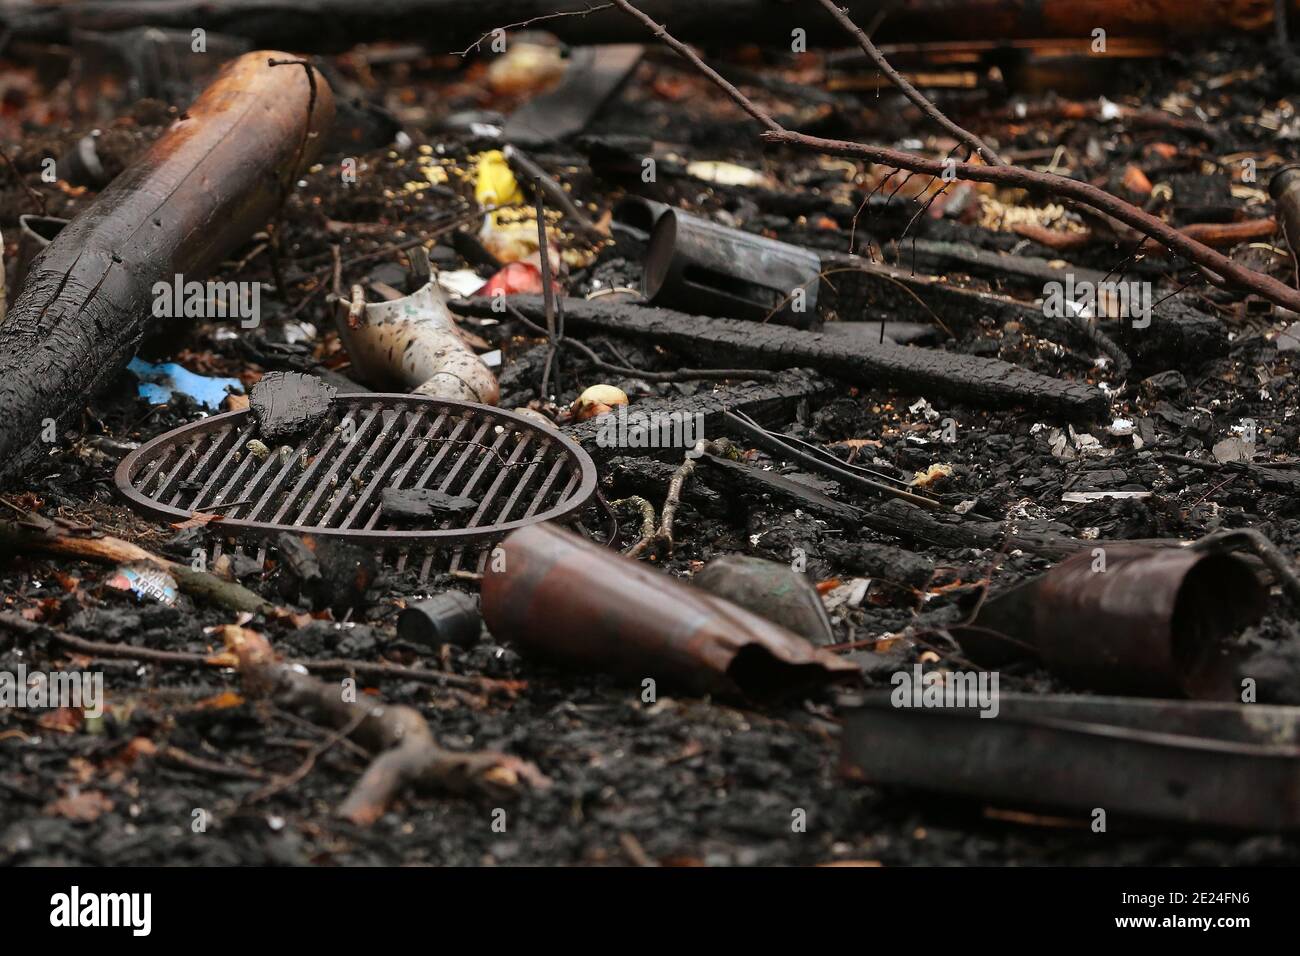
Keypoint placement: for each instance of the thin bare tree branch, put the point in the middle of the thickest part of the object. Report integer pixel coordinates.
(911, 92)
(1218, 266)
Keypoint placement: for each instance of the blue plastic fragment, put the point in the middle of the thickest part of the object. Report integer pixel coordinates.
(159, 382)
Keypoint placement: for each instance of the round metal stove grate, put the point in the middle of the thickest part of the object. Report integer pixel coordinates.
(486, 470)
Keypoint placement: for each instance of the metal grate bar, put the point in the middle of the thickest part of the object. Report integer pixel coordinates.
(329, 482)
(218, 438)
(445, 446)
(401, 474)
(490, 456)
(154, 467)
(236, 478)
(377, 478)
(287, 464)
(520, 447)
(387, 433)
(190, 452)
(475, 444)
(314, 465)
(486, 456)
(241, 436)
(524, 481)
(546, 487)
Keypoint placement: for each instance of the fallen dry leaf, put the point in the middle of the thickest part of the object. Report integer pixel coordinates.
(87, 806)
(65, 720)
(223, 701)
(199, 519)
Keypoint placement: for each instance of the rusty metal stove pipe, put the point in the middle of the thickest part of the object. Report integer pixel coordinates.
(699, 267)
(563, 598)
(1154, 622)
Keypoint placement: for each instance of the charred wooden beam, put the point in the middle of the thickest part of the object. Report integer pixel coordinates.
(334, 25)
(978, 381)
(208, 184)
(774, 402)
(1178, 334)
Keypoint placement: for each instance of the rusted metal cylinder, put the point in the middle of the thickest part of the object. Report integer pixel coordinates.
(1284, 187)
(701, 268)
(1128, 619)
(447, 618)
(563, 598)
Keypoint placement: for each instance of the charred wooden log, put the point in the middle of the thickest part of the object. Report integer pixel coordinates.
(1176, 334)
(211, 181)
(979, 381)
(333, 25)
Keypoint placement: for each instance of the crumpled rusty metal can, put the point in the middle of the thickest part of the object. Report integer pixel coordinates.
(563, 598)
(1128, 619)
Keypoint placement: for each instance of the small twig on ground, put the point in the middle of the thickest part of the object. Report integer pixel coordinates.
(35, 533)
(478, 44)
(406, 754)
(680, 375)
(917, 98)
(147, 655)
(553, 332)
(175, 757)
(647, 522)
(528, 167)
(31, 191)
(280, 784)
(663, 538)
(775, 445)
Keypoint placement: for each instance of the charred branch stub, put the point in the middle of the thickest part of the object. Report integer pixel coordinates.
(629, 431)
(405, 752)
(979, 381)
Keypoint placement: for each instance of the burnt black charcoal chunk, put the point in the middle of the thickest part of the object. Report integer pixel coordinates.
(288, 403)
(421, 502)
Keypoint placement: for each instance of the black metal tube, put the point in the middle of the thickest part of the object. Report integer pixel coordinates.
(702, 268)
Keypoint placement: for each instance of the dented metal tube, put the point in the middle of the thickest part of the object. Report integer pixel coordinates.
(1127, 619)
(563, 598)
(701, 268)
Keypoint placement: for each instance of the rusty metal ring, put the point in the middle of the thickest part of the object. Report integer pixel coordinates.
(568, 480)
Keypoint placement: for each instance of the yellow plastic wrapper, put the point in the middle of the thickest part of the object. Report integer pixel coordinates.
(495, 184)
